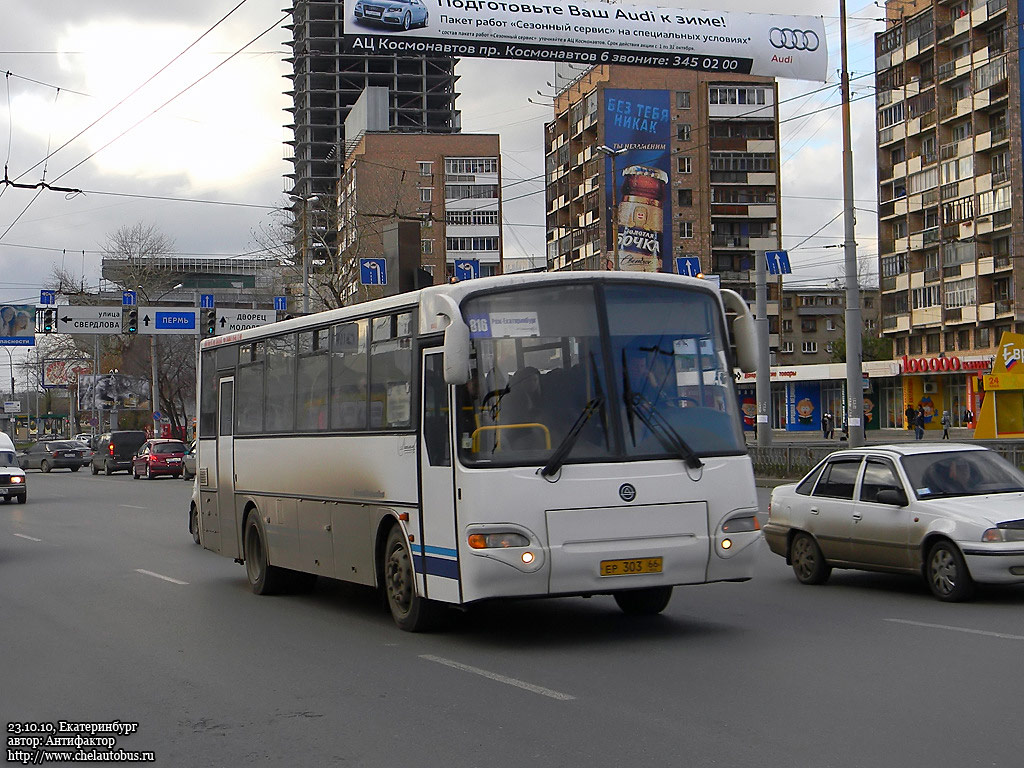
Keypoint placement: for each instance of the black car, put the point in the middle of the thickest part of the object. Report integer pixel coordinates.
(114, 450)
(55, 454)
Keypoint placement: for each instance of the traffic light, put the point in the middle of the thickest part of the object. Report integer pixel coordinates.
(209, 322)
(129, 320)
(49, 321)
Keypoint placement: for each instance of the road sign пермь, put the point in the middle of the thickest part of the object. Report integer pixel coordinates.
(165, 321)
(101, 320)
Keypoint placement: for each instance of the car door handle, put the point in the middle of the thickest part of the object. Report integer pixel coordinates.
(856, 516)
(814, 510)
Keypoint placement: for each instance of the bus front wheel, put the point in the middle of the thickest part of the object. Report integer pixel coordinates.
(644, 602)
(410, 611)
(264, 578)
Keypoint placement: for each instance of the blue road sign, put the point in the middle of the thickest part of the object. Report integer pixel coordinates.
(688, 265)
(47, 297)
(373, 272)
(281, 303)
(467, 269)
(206, 301)
(129, 299)
(163, 321)
(778, 262)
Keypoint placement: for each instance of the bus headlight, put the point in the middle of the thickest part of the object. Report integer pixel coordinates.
(741, 524)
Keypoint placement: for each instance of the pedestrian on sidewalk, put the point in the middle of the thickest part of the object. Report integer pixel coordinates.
(911, 414)
(946, 423)
(826, 419)
(919, 424)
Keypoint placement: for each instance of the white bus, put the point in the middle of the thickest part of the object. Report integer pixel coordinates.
(517, 436)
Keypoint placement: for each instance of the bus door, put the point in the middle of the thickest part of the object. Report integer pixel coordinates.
(436, 552)
(226, 468)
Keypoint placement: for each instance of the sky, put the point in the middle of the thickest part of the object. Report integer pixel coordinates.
(193, 143)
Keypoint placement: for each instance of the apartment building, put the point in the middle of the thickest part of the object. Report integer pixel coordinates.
(449, 185)
(812, 323)
(949, 154)
(697, 152)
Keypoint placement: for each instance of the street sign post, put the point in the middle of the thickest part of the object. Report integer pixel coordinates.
(778, 262)
(101, 320)
(373, 271)
(233, 320)
(165, 321)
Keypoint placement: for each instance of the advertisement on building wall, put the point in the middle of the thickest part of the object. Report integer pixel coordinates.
(803, 406)
(18, 325)
(591, 33)
(1002, 410)
(872, 416)
(64, 373)
(638, 122)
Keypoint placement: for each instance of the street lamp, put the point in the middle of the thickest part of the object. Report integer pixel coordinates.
(613, 153)
(11, 356)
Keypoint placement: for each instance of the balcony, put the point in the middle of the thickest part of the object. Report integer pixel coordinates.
(730, 241)
(1004, 307)
(946, 70)
(995, 6)
(1002, 260)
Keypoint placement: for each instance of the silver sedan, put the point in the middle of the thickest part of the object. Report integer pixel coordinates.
(952, 513)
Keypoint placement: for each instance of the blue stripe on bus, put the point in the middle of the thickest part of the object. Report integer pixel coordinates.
(445, 551)
(436, 566)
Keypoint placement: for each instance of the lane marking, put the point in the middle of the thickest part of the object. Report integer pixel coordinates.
(131, 506)
(23, 536)
(1001, 635)
(501, 678)
(158, 576)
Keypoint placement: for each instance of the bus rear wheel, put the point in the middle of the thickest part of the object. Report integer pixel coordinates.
(644, 602)
(264, 578)
(411, 612)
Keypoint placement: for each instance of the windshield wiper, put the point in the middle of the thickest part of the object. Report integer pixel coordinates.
(562, 451)
(666, 433)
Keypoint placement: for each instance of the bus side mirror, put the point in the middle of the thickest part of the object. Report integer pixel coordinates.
(441, 308)
(744, 332)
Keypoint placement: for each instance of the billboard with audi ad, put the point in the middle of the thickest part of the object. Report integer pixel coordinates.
(591, 33)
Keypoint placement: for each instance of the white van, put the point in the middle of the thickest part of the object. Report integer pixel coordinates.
(12, 477)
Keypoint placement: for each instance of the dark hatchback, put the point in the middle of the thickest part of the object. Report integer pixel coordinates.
(55, 454)
(114, 450)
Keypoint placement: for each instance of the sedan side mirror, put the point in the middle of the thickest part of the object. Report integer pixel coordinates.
(894, 496)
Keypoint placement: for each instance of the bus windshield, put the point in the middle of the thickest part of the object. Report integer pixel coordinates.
(608, 372)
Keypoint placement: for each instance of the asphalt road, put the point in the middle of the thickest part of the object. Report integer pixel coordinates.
(109, 612)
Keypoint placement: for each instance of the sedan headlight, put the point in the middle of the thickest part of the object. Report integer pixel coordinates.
(1011, 530)
(17, 479)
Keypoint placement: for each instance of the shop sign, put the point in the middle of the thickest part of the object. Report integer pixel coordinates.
(940, 364)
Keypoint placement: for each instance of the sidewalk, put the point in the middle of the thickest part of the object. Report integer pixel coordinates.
(871, 437)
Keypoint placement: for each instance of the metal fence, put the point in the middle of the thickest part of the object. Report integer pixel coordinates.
(794, 461)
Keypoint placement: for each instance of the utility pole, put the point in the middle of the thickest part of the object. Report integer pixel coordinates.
(763, 390)
(854, 367)
(613, 153)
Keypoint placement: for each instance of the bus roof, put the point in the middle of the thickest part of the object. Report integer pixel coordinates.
(458, 292)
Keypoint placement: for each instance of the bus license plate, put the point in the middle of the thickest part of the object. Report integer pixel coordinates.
(631, 567)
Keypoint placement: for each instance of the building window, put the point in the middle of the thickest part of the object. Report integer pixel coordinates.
(981, 337)
(734, 95)
(427, 246)
(426, 167)
(809, 347)
(685, 164)
(426, 194)
(472, 244)
(809, 325)
(932, 343)
(900, 346)
(684, 196)
(787, 326)
(830, 324)
(786, 348)
(470, 165)
(686, 229)
(914, 345)
(682, 99)
(471, 218)
(470, 191)
(683, 132)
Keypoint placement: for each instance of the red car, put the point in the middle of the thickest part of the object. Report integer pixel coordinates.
(159, 457)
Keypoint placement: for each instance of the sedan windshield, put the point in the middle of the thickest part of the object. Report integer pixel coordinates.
(612, 372)
(961, 473)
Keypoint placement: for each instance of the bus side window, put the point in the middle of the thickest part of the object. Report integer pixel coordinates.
(436, 413)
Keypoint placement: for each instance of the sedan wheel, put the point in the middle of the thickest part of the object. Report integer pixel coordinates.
(44, 466)
(808, 563)
(946, 572)
(149, 475)
(407, 22)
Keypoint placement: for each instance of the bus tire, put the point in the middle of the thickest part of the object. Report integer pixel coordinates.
(411, 612)
(193, 523)
(643, 602)
(264, 578)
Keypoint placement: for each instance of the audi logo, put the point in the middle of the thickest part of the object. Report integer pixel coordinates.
(793, 39)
